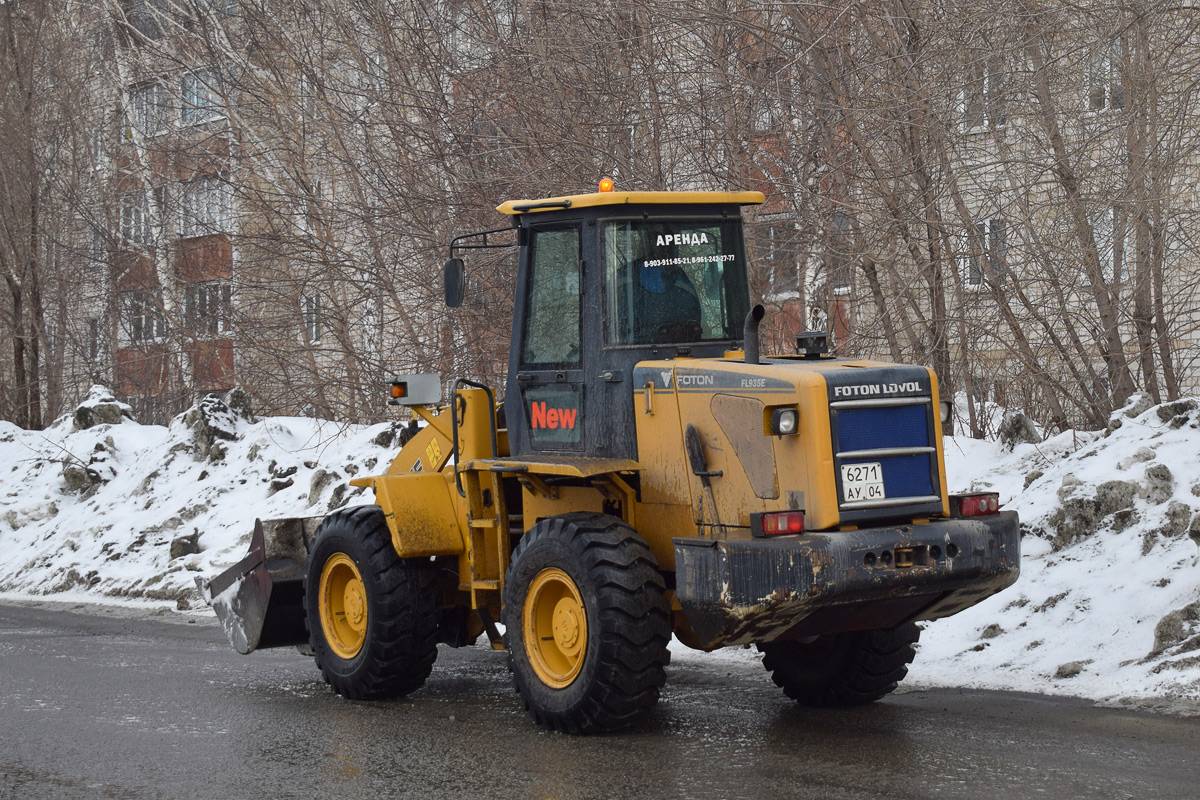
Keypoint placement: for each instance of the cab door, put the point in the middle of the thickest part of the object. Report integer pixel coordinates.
(546, 401)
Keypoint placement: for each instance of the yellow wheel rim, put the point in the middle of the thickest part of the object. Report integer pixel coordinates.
(554, 624)
(343, 604)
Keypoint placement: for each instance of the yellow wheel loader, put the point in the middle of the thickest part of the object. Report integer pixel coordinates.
(647, 473)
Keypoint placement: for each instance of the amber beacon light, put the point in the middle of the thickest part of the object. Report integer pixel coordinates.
(606, 184)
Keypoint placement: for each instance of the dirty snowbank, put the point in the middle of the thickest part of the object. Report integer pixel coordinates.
(103, 509)
(120, 510)
(1108, 603)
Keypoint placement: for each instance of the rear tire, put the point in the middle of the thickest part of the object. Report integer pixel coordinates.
(586, 623)
(842, 669)
(371, 615)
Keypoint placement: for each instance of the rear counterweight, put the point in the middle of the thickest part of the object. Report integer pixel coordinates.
(738, 591)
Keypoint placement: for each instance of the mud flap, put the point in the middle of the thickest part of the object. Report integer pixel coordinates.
(260, 600)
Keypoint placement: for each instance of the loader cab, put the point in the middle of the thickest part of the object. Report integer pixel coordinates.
(605, 281)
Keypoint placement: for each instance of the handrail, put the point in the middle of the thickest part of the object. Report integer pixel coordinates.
(454, 426)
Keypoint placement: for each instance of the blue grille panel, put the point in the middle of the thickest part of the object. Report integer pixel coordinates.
(873, 428)
(887, 427)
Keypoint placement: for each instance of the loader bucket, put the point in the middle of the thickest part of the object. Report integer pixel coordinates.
(260, 599)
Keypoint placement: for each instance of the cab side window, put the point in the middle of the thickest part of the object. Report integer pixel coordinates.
(551, 333)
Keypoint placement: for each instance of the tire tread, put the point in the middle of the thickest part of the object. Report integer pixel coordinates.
(634, 625)
(864, 667)
(401, 644)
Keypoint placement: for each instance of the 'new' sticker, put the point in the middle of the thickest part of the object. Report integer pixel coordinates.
(542, 417)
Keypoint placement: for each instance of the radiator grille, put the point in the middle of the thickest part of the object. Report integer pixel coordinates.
(877, 427)
(898, 435)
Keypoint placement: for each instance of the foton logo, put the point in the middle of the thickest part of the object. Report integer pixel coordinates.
(687, 380)
(542, 417)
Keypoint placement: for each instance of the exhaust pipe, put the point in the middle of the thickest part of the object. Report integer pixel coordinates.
(750, 333)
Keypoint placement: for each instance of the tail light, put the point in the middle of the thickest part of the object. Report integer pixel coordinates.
(777, 523)
(974, 505)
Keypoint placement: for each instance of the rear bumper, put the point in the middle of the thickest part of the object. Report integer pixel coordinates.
(738, 591)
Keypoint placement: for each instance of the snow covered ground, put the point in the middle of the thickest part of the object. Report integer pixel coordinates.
(1107, 606)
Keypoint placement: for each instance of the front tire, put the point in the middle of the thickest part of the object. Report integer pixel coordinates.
(842, 669)
(586, 623)
(371, 615)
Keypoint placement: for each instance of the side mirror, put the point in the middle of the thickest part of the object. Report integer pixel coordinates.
(456, 282)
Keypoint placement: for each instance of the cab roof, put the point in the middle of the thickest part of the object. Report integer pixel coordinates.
(515, 207)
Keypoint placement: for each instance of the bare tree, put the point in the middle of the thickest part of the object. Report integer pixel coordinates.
(998, 190)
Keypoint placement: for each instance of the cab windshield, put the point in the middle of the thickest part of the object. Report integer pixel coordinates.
(674, 281)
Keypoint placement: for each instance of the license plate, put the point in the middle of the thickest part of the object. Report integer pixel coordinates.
(862, 481)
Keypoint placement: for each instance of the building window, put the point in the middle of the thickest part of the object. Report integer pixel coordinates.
(50, 252)
(310, 312)
(987, 252)
(840, 264)
(1105, 90)
(201, 102)
(462, 44)
(372, 329)
(141, 316)
(147, 17)
(99, 247)
(374, 77)
(1110, 230)
(207, 308)
(93, 339)
(982, 97)
(135, 218)
(768, 112)
(149, 110)
(223, 8)
(505, 17)
(205, 207)
(99, 153)
(308, 217)
(305, 98)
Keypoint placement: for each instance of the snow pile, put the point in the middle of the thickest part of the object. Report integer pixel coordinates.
(99, 506)
(1108, 602)
(1107, 606)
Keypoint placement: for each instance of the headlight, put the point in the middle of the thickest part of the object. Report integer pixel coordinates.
(785, 421)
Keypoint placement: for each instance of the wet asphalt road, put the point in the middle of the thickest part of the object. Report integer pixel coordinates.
(103, 706)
